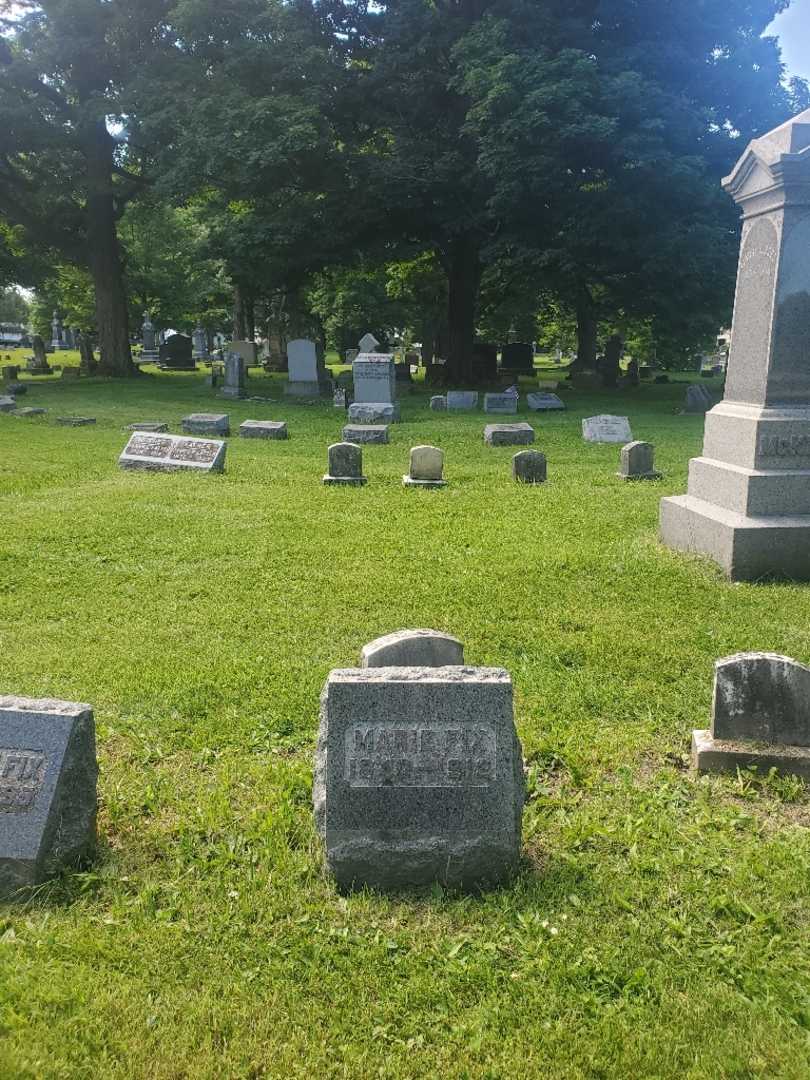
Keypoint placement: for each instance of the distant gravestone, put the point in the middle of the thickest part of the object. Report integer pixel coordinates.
(7, 403)
(459, 400)
(368, 343)
(438, 403)
(149, 353)
(234, 384)
(698, 399)
(263, 429)
(518, 357)
(426, 469)
(760, 717)
(419, 777)
(351, 355)
(48, 778)
(154, 426)
(248, 350)
(366, 433)
(638, 462)
(607, 429)
(508, 435)
(529, 467)
(370, 413)
(485, 362)
(345, 465)
(29, 411)
(176, 354)
(207, 424)
(172, 453)
(544, 402)
(501, 403)
(199, 341)
(307, 376)
(413, 648)
(10, 372)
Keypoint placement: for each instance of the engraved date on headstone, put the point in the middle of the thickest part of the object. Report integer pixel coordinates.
(417, 756)
(22, 773)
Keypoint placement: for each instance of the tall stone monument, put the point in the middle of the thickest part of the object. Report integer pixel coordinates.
(149, 354)
(57, 337)
(748, 501)
(199, 340)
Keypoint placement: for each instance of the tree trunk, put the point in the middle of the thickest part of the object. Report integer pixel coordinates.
(464, 279)
(428, 341)
(239, 315)
(250, 318)
(587, 326)
(104, 254)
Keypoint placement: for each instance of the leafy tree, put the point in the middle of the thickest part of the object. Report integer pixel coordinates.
(14, 308)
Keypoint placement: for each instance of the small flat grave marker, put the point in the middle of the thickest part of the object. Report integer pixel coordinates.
(263, 429)
(29, 411)
(172, 453)
(366, 433)
(461, 400)
(75, 421)
(508, 434)
(207, 424)
(501, 403)
(607, 429)
(155, 426)
(544, 402)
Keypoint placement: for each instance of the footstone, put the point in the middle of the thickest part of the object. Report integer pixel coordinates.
(172, 453)
(501, 403)
(413, 648)
(529, 467)
(155, 426)
(48, 777)
(426, 469)
(760, 716)
(461, 400)
(638, 462)
(544, 402)
(263, 429)
(75, 421)
(376, 413)
(607, 429)
(365, 433)
(7, 404)
(438, 403)
(345, 465)
(748, 500)
(419, 777)
(29, 411)
(508, 434)
(207, 424)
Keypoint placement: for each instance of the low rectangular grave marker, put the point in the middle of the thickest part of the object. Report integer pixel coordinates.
(172, 453)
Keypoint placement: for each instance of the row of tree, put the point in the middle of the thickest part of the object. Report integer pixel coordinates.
(452, 165)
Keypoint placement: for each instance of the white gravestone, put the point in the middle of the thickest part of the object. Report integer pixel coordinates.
(368, 343)
(607, 429)
(374, 378)
(307, 377)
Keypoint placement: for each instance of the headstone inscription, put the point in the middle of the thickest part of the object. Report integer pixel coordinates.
(607, 429)
(426, 469)
(760, 717)
(419, 777)
(638, 462)
(459, 400)
(176, 354)
(345, 466)
(308, 377)
(263, 429)
(366, 433)
(540, 402)
(508, 435)
(529, 467)
(748, 500)
(234, 384)
(413, 648)
(48, 778)
(501, 403)
(207, 424)
(172, 453)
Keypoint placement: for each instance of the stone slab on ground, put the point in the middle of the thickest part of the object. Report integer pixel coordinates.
(373, 413)
(419, 777)
(29, 411)
(509, 434)
(501, 403)
(172, 453)
(48, 778)
(263, 429)
(607, 429)
(438, 403)
(413, 648)
(157, 427)
(207, 424)
(366, 433)
(545, 402)
(75, 421)
(458, 400)
(710, 755)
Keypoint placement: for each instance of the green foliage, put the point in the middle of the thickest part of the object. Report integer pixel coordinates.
(14, 308)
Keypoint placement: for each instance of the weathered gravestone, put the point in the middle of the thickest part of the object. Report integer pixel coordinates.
(176, 354)
(149, 352)
(199, 341)
(541, 402)
(29, 411)
(75, 421)
(374, 380)
(172, 453)
(419, 777)
(7, 403)
(366, 433)
(748, 502)
(760, 716)
(413, 648)
(370, 413)
(638, 462)
(248, 350)
(263, 429)
(207, 424)
(426, 469)
(501, 403)
(698, 399)
(234, 382)
(345, 465)
(438, 403)
(368, 343)
(308, 377)
(459, 400)
(10, 372)
(48, 778)
(508, 434)
(607, 429)
(529, 467)
(157, 427)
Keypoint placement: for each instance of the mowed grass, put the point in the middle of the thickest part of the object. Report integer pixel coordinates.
(659, 926)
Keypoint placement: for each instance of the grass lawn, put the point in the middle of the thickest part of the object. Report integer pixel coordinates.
(660, 926)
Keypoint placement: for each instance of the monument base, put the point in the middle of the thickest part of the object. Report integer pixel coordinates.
(747, 548)
(308, 389)
(236, 393)
(408, 481)
(345, 481)
(711, 755)
(367, 412)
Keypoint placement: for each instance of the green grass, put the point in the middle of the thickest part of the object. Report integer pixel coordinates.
(659, 926)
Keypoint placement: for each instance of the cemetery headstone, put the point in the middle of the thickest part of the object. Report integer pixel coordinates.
(366, 433)
(419, 777)
(485, 362)
(263, 429)
(367, 413)
(340, 399)
(57, 339)
(374, 379)
(698, 399)
(607, 429)
(345, 465)
(518, 357)
(75, 421)
(10, 373)
(501, 403)
(308, 377)
(39, 364)
(172, 453)
(154, 426)
(638, 462)
(760, 717)
(508, 435)
(413, 648)
(234, 384)
(426, 468)
(176, 354)
(207, 424)
(48, 790)
(149, 353)
(529, 467)
(748, 500)
(459, 400)
(351, 355)
(368, 344)
(541, 402)
(199, 342)
(438, 403)
(248, 350)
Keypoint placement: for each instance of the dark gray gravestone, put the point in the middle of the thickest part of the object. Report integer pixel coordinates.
(263, 429)
(366, 433)
(345, 465)
(419, 777)
(485, 362)
(508, 434)
(172, 453)
(638, 462)
(518, 357)
(529, 467)
(176, 353)
(48, 776)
